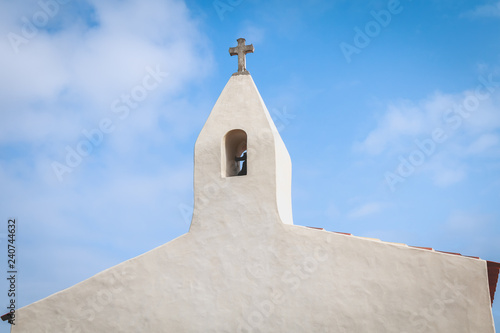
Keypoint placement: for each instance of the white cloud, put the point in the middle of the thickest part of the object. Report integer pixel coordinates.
(468, 125)
(76, 73)
(367, 209)
(253, 34)
(445, 170)
(62, 82)
(483, 143)
(404, 120)
(460, 221)
(489, 10)
(397, 121)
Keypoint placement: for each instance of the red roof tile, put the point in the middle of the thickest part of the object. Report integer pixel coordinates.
(455, 253)
(423, 248)
(493, 267)
(343, 233)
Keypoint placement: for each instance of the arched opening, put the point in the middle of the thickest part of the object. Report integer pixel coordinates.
(235, 144)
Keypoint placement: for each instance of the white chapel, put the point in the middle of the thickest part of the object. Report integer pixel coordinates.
(245, 267)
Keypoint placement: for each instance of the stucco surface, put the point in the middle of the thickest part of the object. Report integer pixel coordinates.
(273, 278)
(244, 266)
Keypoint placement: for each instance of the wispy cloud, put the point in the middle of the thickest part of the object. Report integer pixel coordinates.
(252, 32)
(459, 221)
(438, 135)
(366, 209)
(71, 76)
(403, 119)
(489, 10)
(484, 143)
(63, 82)
(446, 169)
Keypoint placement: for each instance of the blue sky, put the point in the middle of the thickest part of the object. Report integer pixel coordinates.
(390, 112)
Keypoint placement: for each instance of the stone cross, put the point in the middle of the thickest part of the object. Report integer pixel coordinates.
(241, 50)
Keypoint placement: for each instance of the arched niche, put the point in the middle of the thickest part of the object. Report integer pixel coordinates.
(235, 152)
